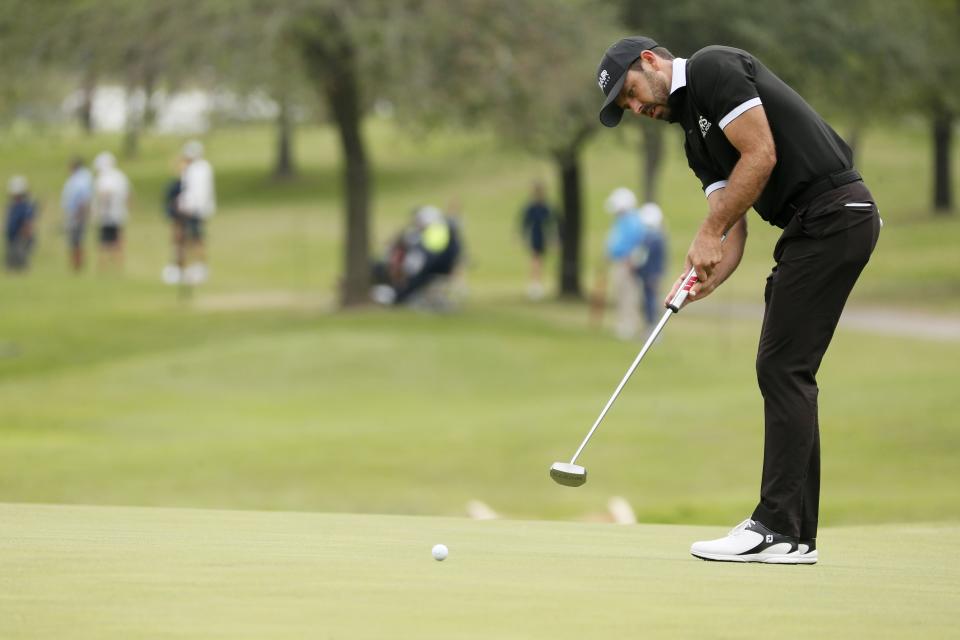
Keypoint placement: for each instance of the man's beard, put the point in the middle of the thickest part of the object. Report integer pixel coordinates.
(660, 91)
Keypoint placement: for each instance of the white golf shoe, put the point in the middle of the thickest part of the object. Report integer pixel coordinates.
(807, 550)
(750, 541)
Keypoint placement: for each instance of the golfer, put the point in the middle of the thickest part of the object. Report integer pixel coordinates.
(753, 141)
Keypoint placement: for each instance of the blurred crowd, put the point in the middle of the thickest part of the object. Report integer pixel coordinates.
(421, 266)
(636, 249)
(635, 254)
(101, 199)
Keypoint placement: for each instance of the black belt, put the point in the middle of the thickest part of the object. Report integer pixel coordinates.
(821, 186)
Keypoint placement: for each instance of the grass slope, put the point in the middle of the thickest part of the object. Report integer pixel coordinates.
(404, 413)
(83, 572)
(112, 391)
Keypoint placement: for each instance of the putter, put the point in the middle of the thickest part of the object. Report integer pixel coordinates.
(571, 474)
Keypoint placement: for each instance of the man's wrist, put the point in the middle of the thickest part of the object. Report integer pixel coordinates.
(712, 228)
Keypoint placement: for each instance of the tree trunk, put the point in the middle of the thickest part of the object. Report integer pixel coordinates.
(942, 147)
(150, 77)
(283, 168)
(652, 159)
(568, 163)
(331, 58)
(855, 136)
(356, 281)
(85, 111)
(131, 135)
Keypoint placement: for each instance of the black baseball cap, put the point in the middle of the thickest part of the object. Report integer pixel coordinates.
(613, 71)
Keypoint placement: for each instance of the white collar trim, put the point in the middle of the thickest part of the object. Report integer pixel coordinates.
(679, 74)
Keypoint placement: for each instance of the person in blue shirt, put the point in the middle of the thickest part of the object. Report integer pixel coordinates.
(75, 202)
(19, 228)
(537, 225)
(625, 245)
(651, 266)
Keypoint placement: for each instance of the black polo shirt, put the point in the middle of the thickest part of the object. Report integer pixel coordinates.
(722, 83)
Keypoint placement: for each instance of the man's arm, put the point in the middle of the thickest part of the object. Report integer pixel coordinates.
(750, 134)
(732, 253)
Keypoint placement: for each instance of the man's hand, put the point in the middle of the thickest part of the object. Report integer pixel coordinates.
(704, 255)
(713, 259)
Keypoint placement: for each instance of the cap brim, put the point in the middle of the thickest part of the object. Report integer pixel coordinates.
(611, 113)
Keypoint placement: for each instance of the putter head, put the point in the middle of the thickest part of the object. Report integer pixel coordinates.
(567, 474)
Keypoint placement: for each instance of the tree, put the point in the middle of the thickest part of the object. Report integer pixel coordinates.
(553, 109)
(137, 44)
(839, 56)
(939, 91)
(525, 68)
(330, 54)
(265, 59)
(875, 60)
(345, 45)
(24, 61)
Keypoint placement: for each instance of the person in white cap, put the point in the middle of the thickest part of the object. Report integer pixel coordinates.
(195, 205)
(651, 265)
(111, 208)
(19, 228)
(624, 241)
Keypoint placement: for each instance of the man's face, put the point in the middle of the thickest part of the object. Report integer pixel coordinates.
(645, 92)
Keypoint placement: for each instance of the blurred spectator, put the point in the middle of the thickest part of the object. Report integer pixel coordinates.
(537, 226)
(651, 263)
(419, 261)
(388, 273)
(111, 201)
(196, 204)
(455, 216)
(75, 201)
(624, 244)
(171, 205)
(21, 218)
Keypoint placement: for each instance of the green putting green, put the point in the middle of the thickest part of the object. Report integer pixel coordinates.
(116, 572)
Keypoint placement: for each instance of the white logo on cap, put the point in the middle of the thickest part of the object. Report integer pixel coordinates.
(604, 79)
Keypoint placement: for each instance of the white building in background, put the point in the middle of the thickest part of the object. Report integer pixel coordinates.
(183, 113)
(188, 112)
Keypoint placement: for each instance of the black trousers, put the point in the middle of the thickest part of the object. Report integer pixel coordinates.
(818, 259)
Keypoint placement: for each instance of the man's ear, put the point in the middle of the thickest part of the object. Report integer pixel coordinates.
(652, 59)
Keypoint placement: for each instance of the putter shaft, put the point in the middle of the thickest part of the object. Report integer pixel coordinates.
(674, 306)
(646, 347)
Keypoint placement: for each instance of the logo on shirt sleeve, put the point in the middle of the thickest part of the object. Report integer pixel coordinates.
(704, 126)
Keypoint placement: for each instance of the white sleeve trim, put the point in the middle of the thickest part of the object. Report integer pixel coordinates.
(738, 111)
(720, 184)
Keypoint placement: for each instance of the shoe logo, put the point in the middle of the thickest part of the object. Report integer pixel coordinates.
(769, 538)
(704, 126)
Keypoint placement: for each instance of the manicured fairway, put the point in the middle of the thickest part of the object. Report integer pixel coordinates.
(113, 572)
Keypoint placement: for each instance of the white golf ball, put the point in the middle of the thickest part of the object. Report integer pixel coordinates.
(439, 552)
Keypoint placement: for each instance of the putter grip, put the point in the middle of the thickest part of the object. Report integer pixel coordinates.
(684, 291)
